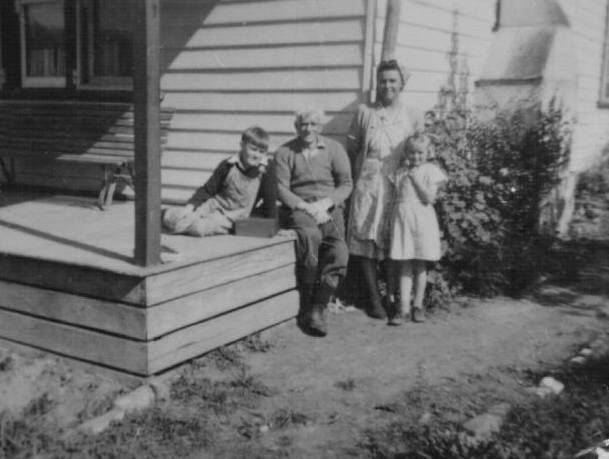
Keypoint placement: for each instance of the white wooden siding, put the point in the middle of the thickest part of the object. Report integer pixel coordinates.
(588, 22)
(425, 37)
(230, 64)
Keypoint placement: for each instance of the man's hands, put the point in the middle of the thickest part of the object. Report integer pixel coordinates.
(318, 210)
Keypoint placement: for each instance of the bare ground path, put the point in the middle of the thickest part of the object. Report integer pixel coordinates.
(346, 383)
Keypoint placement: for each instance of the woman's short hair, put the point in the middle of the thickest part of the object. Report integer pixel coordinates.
(392, 64)
(256, 136)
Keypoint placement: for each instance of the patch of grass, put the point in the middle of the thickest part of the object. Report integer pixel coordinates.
(248, 385)
(20, 438)
(285, 417)
(348, 385)
(549, 428)
(226, 357)
(154, 433)
(255, 343)
(39, 406)
(7, 363)
(221, 397)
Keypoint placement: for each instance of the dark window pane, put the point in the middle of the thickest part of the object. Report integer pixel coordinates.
(44, 40)
(112, 55)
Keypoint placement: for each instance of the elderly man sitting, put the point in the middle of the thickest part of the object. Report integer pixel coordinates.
(314, 179)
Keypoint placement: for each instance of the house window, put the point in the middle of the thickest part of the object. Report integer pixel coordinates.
(105, 44)
(43, 48)
(101, 54)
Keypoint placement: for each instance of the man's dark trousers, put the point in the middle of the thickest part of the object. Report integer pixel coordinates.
(321, 254)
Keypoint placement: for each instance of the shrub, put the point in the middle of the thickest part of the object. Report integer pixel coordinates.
(500, 173)
(595, 181)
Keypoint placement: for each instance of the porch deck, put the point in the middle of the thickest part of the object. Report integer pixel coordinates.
(68, 285)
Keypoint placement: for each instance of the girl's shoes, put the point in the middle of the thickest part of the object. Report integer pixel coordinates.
(418, 315)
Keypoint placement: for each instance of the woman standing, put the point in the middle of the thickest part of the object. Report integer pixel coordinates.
(374, 143)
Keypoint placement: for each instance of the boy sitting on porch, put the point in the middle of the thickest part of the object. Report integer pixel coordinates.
(231, 193)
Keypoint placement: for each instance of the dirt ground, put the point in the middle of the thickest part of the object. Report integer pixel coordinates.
(320, 397)
(286, 394)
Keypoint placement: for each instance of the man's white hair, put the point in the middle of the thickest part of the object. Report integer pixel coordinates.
(313, 111)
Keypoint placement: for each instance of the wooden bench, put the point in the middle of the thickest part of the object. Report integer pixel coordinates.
(79, 132)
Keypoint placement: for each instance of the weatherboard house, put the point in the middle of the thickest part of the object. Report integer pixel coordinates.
(145, 97)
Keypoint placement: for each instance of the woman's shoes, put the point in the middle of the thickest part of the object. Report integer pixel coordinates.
(395, 314)
(376, 311)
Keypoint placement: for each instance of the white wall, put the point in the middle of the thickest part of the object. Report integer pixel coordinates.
(231, 64)
(588, 24)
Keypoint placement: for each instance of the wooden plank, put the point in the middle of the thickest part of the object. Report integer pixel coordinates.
(193, 160)
(72, 278)
(185, 311)
(198, 339)
(236, 122)
(73, 309)
(75, 342)
(65, 145)
(146, 96)
(221, 141)
(349, 30)
(261, 102)
(173, 195)
(326, 79)
(185, 177)
(213, 141)
(316, 55)
(216, 272)
(68, 183)
(264, 11)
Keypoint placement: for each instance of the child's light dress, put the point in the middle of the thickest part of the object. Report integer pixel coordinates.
(415, 234)
(380, 136)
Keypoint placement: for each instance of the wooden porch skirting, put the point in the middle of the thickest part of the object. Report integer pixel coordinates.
(63, 292)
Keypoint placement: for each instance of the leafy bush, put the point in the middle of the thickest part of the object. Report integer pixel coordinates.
(500, 173)
(595, 181)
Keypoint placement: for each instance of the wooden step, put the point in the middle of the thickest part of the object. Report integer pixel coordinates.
(205, 336)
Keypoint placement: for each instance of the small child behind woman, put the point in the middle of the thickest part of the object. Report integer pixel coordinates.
(415, 235)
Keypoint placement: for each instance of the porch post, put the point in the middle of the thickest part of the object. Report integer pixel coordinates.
(147, 132)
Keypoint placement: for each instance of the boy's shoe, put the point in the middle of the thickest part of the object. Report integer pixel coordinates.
(418, 315)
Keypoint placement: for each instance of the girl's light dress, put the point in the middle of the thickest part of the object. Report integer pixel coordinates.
(378, 136)
(415, 234)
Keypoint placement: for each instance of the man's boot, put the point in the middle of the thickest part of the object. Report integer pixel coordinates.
(317, 322)
(306, 308)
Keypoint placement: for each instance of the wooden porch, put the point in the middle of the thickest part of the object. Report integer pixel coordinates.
(68, 284)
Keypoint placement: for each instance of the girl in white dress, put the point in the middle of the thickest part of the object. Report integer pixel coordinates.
(415, 235)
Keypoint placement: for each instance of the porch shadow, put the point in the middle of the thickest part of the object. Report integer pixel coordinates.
(69, 242)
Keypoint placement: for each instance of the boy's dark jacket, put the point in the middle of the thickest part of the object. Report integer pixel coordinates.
(266, 200)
